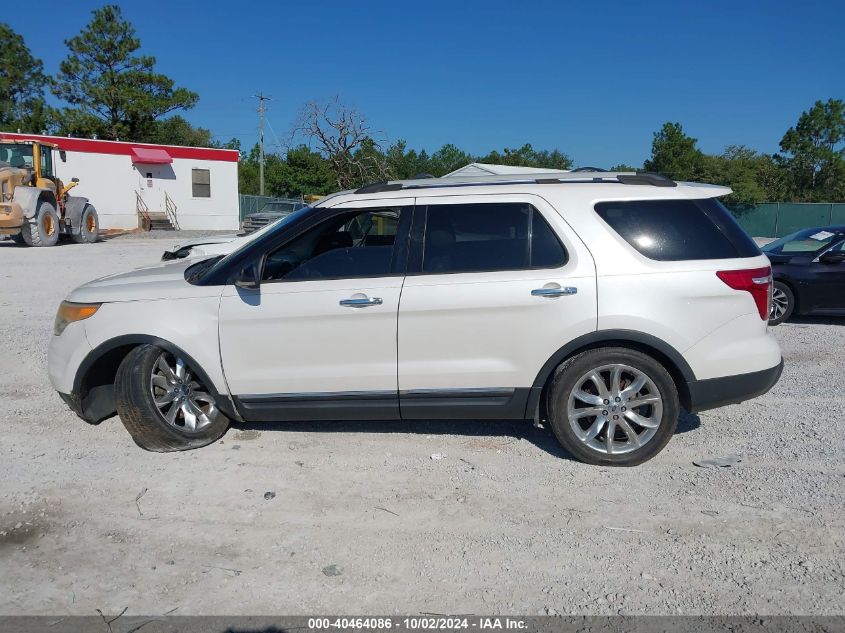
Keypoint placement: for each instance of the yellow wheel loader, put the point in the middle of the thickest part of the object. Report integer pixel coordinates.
(35, 207)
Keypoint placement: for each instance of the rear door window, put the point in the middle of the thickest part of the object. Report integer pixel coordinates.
(677, 230)
(487, 237)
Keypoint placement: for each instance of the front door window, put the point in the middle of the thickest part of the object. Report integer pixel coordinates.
(351, 245)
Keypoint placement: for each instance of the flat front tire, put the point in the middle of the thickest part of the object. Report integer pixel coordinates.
(164, 404)
(613, 406)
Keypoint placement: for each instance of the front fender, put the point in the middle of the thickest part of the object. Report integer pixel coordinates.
(27, 198)
(74, 207)
(161, 323)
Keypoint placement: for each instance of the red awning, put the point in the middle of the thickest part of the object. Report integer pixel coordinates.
(150, 156)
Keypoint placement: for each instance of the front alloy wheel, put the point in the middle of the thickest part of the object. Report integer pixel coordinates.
(180, 398)
(613, 406)
(164, 403)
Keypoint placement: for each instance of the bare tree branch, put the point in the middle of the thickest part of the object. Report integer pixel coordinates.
(343, 135)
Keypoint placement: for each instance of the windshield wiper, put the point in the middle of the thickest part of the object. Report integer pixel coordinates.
(194, 273)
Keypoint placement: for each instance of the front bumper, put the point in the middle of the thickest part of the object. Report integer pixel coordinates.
(95, 407)
(719, 392)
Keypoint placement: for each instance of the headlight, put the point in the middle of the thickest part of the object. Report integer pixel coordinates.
(70, 312)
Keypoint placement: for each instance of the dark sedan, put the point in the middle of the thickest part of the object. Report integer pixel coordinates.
(809, 273)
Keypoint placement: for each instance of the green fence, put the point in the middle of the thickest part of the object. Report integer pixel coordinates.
(776, 219)
(253, 204)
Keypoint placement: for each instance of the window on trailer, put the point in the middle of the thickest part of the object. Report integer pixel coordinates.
(200, 183)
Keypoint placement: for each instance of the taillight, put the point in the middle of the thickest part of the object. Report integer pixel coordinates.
(757, 281)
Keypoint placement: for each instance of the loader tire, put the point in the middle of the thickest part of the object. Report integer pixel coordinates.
(43, 229)
(89, 226)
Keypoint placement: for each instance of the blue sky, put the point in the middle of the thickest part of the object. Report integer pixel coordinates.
(594, 79)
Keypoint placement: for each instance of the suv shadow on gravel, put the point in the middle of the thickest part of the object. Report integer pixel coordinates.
(542, 438)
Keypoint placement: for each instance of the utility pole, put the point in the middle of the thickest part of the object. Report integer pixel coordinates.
(261, 109)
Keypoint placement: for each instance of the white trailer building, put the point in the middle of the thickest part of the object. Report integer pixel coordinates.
(194, 187)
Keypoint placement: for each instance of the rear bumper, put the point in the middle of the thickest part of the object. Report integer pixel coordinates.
(719, 392)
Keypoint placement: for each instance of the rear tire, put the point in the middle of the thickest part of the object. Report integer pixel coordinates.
(89, 226)
(783, 303)
(43, 229)
(142, 380)
(613, 390)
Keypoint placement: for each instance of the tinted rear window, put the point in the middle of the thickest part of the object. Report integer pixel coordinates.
(675, 230)
(487, 237)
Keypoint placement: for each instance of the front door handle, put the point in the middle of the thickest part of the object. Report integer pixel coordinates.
(554, 292)
(362, 302)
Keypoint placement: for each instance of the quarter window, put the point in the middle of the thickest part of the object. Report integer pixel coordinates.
(677, 230)
(488, 237)
(201, 183)
(354, 244)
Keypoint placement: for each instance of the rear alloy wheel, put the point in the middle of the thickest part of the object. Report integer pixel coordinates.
(613, 406)
(163, 402)
(783, 303)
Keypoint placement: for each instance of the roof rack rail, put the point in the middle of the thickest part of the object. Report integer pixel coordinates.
(606, 177)
(646, 178)
(378, 187)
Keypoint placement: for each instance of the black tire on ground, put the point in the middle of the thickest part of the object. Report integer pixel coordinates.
(783, 303)
(89, 227)
(570, 374)
(43, 229)
(143, 419)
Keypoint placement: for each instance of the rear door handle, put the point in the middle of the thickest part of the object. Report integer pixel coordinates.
(554, 292)
(362, 302)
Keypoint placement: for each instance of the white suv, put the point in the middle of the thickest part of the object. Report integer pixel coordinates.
(601, 302)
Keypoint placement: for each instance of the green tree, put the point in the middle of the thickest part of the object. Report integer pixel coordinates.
(22, 83)
(814, 153)
(113, 92)
(527, 156)
(176, 130)
(675, 154)
(300, 172)
(447, 159)
(404, 164)
(624, 167)
(308, 173)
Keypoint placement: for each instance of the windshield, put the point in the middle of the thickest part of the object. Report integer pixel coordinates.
(19, 156)
(271, 227)
(804, 241)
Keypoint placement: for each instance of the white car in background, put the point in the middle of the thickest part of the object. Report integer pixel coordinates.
(600, 302)
(204, 246)
(256, 223)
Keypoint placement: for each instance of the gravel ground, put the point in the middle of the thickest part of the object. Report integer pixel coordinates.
(364, 520)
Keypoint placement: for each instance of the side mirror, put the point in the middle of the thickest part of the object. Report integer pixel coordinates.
(249, 278)
(63, 155)
(74, 179)
(833, 257)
